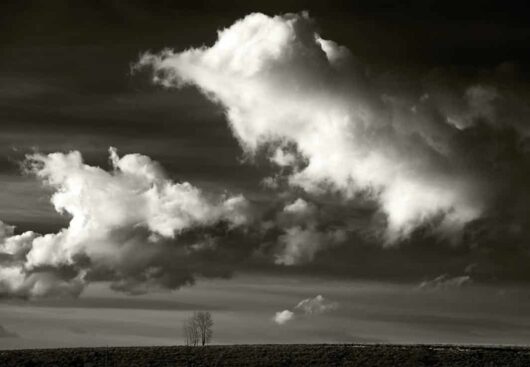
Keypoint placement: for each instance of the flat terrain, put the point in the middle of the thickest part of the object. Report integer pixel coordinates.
(272, 355)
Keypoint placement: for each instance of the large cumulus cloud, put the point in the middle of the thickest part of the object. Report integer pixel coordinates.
(131, 225)
(282, 84)
(426, 159)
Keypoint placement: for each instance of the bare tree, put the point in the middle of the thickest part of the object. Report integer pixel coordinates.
(204, 322)
(198, 328)
(191, 331)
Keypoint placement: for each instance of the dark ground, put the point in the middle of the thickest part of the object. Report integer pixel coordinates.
(272, 355)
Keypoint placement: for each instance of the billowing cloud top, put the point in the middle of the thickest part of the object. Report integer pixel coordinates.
(282, 84)
(124, 226)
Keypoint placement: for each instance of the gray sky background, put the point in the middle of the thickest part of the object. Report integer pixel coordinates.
(243, 308)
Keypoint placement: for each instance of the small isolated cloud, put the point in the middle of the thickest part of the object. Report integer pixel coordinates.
(307, 307)
(281, 317)
(444, 282)
(316, 305)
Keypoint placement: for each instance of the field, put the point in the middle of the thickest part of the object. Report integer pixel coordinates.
(271, 355)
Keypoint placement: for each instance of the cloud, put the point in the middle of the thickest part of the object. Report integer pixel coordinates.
(316, 305)
(282, 84)
(302, 233)
(306, 308)
(299, 245)
(300, 207)
(132, 225)
(281, 317)
(444, 282)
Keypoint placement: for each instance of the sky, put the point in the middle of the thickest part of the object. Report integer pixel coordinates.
(308, 172)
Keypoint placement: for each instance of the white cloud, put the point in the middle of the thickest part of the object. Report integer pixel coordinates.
(307, 307)
(300, 245)
(479, 104)
(444, 282)
(280, 81)
(316, 305)
(136, 194)
(283, 158)
(126, 221)
(14, 245)
(301, 239)
(16, 281)
(281, 317)
(300, 207)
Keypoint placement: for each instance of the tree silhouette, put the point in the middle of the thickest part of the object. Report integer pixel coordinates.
(204, 323)
(191, 331)
(198, 328)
